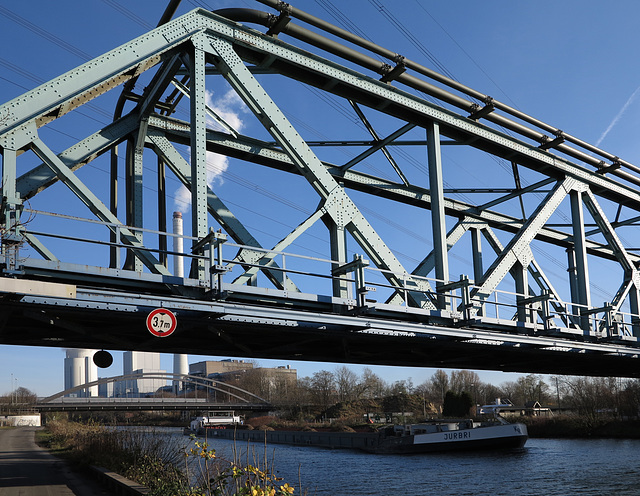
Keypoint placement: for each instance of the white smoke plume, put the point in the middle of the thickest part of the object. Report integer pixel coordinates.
(230, 108)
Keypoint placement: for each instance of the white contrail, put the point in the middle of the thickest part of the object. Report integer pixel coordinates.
(619, 115)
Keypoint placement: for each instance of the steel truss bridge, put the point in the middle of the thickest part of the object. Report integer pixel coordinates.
(203, 395)
(86, 272)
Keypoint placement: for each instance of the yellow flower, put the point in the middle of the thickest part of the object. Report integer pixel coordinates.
(287, 489)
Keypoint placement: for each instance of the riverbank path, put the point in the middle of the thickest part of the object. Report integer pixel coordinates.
(29, 470)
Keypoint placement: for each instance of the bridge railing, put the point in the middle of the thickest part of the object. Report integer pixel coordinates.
(235, 267)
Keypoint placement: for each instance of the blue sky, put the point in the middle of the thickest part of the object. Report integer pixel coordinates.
(571, 64)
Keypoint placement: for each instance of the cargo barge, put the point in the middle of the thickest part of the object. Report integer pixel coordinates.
(435, 436)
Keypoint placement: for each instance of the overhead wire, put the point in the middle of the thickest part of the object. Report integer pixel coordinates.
(473, 61)
(326, 4)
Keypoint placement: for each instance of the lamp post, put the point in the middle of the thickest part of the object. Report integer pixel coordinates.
(14, 394)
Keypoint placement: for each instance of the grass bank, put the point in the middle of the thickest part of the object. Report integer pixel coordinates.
(581, 426)
(192, 469)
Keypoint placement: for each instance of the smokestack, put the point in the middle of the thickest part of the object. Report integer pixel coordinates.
(180, 362)
(178, 265)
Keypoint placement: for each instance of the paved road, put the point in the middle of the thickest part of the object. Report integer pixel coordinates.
(28, 470)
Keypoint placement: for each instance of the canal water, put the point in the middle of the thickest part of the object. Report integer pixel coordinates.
(543, 466)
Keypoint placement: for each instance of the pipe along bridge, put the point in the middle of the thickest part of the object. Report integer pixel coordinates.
(346, 249)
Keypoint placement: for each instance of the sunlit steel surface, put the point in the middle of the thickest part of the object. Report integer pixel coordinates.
(358, 303)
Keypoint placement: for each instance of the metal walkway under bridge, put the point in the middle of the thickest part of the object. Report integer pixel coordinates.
(375, 223)
(197, 394)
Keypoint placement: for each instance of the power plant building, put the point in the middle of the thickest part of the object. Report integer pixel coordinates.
(136, 362)
(79, 369)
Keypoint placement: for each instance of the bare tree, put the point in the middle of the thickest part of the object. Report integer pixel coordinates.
(439, 385)
(532, 388)
(323, 387)
(404, 386)
(593, 396)
(488, 393)
(630, 399)
(464, 381)
(373, 386)
(347, 383)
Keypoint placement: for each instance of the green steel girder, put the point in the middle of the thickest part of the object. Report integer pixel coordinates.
(96, 206)
(219, 211)
(260, 152)
(337, 203)
(201, 37)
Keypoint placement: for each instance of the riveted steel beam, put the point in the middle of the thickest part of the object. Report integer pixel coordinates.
(337, 204)
(219, 210)
(518, 247)
(95, 205)
(199, 221)
(263, 153)
(438, 220)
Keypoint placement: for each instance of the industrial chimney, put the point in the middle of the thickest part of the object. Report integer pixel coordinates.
(180, 362)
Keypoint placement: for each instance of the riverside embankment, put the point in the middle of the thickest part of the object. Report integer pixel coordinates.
(26, 469)
(581, 427)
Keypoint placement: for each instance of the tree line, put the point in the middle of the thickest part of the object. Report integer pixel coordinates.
(322, 391)
(582, 395)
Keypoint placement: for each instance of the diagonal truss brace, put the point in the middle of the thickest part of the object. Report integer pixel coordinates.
(95, 205)
(518, 248)
(536, 272)
(631, 284)
(267, 260)
(429, 262)
(218, 209)
(380, 144)
(338, 205)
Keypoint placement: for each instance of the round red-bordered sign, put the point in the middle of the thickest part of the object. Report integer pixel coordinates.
(161, 322)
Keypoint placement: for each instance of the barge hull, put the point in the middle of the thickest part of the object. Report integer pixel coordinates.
(373, 442)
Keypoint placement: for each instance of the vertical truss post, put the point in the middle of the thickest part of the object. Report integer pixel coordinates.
(580, 255)
(162, 213)
(338, 240)
(634, 303)
(11, 209)
(522, 290)
(609, 323)
(465, 295)
(133, 178)
(136, 200)
(438, 220)
(573, 282)
(546, 310)
(116, 249)
(361, 288)
(114, 261)
(476, 247)
(198, 152)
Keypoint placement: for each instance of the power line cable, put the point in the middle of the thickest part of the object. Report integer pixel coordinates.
(467, 54)
(47, 35)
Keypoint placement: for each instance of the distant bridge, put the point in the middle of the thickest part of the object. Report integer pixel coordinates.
(557, 215)
(206, 395)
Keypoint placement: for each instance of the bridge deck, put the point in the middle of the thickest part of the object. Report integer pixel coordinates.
(241, 299)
